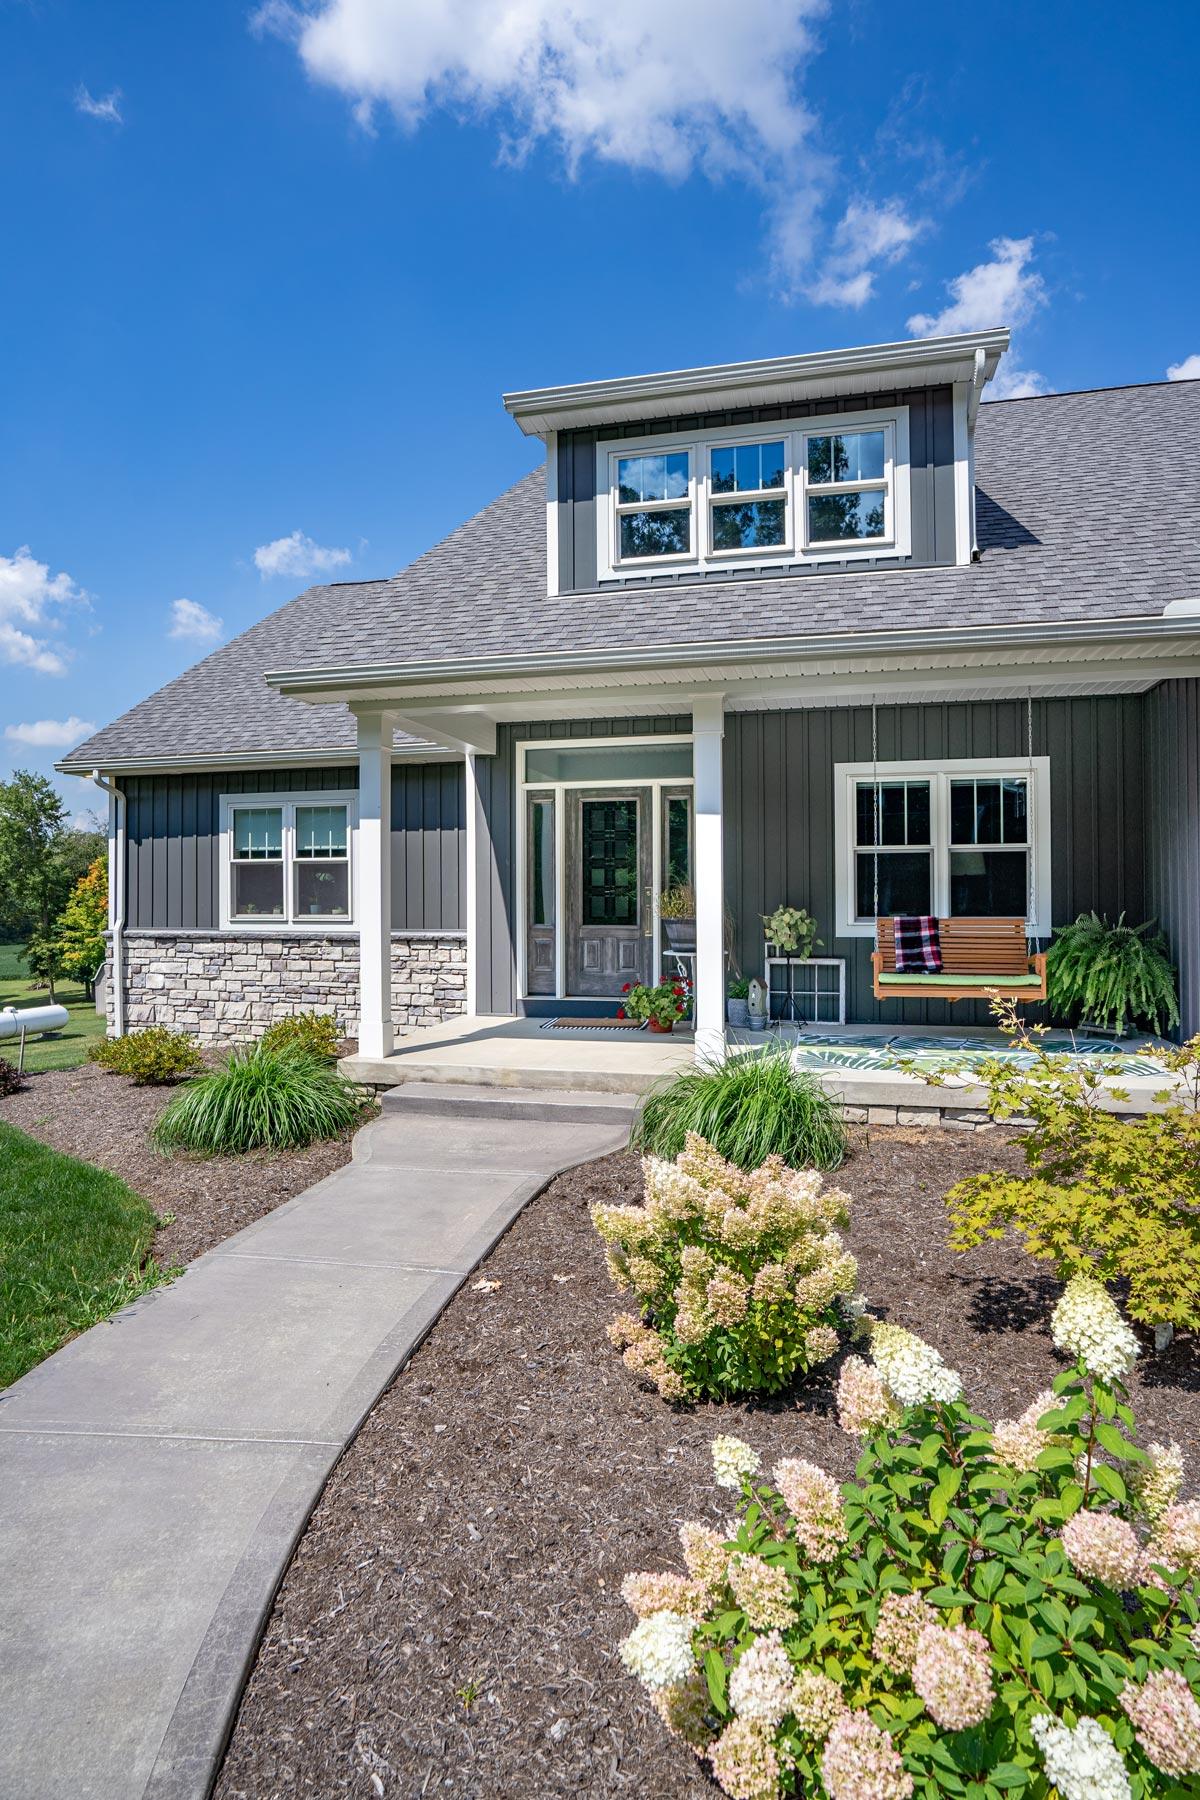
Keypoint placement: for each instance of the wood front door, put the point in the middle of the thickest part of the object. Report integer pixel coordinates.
(609, 913)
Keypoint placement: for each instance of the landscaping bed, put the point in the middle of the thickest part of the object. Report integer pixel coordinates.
(105, 1120)
(450, 1620)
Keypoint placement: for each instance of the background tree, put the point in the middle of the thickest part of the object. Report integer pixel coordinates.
(83, 923)
(41, 858)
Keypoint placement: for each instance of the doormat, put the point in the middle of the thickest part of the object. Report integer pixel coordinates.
(601, 1024)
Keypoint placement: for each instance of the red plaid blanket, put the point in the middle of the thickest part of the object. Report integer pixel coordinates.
(918, 946)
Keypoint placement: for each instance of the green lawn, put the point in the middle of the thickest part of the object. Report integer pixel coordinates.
(73, 1241)
(69, 1048)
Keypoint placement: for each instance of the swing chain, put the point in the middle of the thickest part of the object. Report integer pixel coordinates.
(875, 810)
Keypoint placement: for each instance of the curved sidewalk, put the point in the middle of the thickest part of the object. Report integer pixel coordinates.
(156, 1472)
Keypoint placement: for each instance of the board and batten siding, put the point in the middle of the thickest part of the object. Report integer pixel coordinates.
(931, 466)
(1173, 831)
(174, 824)
(779, 799)
(497, 779)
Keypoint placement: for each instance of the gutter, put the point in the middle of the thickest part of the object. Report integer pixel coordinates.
(1151, 627)
(118, 841)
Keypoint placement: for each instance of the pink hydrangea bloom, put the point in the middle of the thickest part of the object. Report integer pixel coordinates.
(863, 1402)
(1167, 1721)
(1017, 1442)
(1176, 1540)
(745, 1761)
(649, 1593)
(952, 1672)
(763, 1592)
(1101, 1547)
(860, 1762)
(902, 1618)
(684, 1711)
(704, 1552)
(812, 1498)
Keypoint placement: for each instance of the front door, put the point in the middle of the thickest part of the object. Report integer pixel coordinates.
(609, 903)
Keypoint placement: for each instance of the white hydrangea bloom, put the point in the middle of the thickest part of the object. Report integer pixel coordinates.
(760, 1687)
(1083, 1764)
(1086, 1324)
(731, 1460)
(912, 1369)
(659, 1650)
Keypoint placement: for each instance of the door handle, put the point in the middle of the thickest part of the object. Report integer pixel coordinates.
(648, 929)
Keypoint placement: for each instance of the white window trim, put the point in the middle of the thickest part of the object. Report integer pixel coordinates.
(288, 923)
(939, 774)
(795, 550)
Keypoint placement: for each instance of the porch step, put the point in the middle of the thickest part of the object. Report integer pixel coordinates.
(396, 1071)
(466, 1100)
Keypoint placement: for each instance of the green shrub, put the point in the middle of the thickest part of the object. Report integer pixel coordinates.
(1117, 1197)
(312, 1032)
(10, 1080)
(983, 1611)
(148, 1057)
(740, 1280)
(1113, 976)
(260, 1099)
(748, 1107)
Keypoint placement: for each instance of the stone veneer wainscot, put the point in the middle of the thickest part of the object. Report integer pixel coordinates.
(222, 985)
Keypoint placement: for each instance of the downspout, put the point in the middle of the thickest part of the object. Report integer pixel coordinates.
(117, 862)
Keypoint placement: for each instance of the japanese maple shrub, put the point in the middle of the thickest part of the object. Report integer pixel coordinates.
(985, 1610)
(1113, 1196)
(741, 1279)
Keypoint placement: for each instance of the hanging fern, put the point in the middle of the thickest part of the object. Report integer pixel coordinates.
(1113, 976)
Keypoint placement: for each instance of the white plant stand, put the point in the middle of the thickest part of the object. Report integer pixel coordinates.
(805, 991)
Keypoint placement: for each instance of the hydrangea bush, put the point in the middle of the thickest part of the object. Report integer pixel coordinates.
(983, 1611)
(741, 1279)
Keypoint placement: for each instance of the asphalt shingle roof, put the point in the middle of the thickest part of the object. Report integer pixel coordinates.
(1089, 508)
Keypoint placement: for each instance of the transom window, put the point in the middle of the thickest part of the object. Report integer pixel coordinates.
(960, 840)
(824, 488)
(287, 859)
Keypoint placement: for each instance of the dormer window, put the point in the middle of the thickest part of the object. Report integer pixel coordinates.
(824, 488)
(848, 479)
(654, 505)
(748, 499)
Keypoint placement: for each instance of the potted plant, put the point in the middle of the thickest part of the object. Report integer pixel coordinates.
(737, 1009)
(1111, 977)
(793, 931)
(677, 910)
(659, 1007)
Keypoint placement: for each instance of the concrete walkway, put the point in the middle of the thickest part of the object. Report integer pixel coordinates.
(156, 1473)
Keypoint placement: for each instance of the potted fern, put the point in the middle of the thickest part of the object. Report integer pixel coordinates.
(1111, 977)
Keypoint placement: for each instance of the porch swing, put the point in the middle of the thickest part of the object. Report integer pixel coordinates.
(980, 956)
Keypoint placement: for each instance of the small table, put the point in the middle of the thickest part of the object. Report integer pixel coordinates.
(809, 990)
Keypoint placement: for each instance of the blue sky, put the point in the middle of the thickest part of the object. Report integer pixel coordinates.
(269, 269)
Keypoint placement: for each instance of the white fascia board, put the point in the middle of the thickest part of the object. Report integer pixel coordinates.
(915, 361)
(259, 759)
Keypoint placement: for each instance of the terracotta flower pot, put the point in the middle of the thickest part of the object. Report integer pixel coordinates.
(656, 1026)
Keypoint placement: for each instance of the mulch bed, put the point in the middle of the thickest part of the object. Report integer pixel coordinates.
(450, 1620)
(104, 1119)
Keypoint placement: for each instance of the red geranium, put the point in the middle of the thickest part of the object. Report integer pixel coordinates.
(627, 987)
(621, 1011)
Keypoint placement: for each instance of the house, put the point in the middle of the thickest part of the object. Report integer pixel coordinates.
(821, 630)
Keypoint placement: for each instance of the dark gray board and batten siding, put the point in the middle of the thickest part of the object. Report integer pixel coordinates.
(1173, 831)
(931, 452)
(174, 824)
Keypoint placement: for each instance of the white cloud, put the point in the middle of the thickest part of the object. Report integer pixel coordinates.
(299, 557)
(194, 623)
(1011, 383)
(1187, 370)
(50, 734)
(107, 108)
(30, 595)
(867, 237)
(668, 88)
(1005, 291)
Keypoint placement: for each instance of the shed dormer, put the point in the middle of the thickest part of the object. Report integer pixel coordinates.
(835, 460)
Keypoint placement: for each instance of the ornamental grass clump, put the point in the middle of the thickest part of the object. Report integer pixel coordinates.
(1101, 1195)
(748, 1107)
(985, 1610)
(742, 1281)
(260, 1099)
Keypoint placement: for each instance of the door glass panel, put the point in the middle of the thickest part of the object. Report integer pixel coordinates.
(541, 837)
(609, 848)
(678, 872)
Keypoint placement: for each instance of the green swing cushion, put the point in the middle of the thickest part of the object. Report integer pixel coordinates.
(962, 981)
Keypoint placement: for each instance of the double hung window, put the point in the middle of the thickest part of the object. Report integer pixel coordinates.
(288, 859)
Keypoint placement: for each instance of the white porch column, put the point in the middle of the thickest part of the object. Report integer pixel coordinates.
(471, 909)
(376, 1035)
(708, 730)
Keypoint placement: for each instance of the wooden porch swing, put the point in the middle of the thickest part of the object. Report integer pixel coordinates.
(981, 956)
